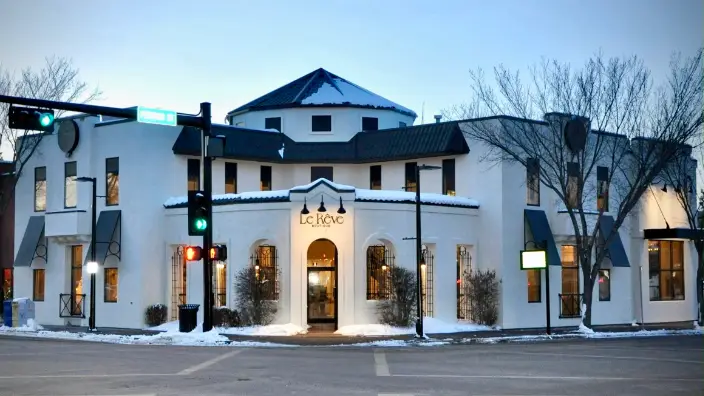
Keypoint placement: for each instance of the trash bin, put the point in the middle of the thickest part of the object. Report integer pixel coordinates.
(7, 313)
(187, 317)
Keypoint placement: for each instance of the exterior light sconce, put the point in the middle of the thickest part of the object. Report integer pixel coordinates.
(342, 208)
(92, 267)
(383, 267)
(322, 206)
(305, 210)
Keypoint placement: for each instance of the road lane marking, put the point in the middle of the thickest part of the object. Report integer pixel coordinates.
(535, 377)
(577, 356)
(380, 365)
(208, 363)
(44, 376)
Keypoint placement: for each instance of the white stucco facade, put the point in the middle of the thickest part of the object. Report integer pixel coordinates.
(486, 217)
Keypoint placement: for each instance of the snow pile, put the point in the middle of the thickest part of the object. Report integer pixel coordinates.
(31, 325)
(406, 196)
(430, 326)
(245, 196)
(333, 185)
(345, 92)
(584, 329)
(288, 329)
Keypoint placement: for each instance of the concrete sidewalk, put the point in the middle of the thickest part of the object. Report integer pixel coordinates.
(323, 339)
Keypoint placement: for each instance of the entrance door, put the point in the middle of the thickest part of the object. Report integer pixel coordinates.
(322, 282)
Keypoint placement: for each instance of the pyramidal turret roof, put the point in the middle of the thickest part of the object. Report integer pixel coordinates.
(321, 88)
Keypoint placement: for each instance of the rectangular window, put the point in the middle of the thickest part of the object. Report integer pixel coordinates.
(534, 285)
(411, 176)
(265, 178)
(320, 172)
(110, 288)
(193, 174)
(266, 268)
(666, 262)
(375, 177)
(448, 176)
(112, 181)
(220, 271)
(38, 293)
(77, 280)
(273, 123)
(230, 177)
(70, 188)
(605, 285)
(572, 197)
(533, 182)
(570, 270)
(602, 188)
(370, 124)
(401, 124)
(321, 123)
(40, 189)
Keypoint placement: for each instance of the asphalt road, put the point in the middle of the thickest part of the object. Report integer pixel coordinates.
(645, 366)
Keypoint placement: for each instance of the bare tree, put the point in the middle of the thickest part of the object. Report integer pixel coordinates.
(646, 128)
(57, 80)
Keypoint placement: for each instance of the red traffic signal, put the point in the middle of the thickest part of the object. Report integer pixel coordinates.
(218, 253)
(193, 253)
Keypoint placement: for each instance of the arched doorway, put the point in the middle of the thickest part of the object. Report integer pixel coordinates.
(321, 267)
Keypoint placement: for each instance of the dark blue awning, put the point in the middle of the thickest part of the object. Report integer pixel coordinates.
(540, 229)
(32, 245)
(615, 250)
(108, 236)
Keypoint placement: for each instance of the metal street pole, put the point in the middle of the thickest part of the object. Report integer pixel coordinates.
(208, 237)
(547, 291)
(93, 226)
(419, 300)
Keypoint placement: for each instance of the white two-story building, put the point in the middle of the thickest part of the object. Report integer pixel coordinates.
(316, 191)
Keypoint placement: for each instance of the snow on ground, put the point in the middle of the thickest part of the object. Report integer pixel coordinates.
(430, 326)
(585, 332)
(288, 329)
(31, 325)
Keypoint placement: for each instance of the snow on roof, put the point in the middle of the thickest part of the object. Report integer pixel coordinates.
(360, 195)
(345, 92)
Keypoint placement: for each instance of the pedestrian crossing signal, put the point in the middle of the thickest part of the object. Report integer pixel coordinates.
(193, 253)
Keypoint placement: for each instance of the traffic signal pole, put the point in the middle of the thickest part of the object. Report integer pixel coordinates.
(203, 122)
(208, 236)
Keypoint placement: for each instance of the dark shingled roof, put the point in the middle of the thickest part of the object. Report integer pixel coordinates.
(294, 93)
(421, 141)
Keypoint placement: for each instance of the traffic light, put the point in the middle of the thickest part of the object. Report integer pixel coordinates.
(218, 253)
(193, 253)
(198, 210)
(31, 119)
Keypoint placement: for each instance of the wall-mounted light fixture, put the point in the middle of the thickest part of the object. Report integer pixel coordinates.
(305, 210)
(322, 206)
(342, 208)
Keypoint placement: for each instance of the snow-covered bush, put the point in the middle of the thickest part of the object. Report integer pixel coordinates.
(400, 308)
(155, 314)
(254, 297)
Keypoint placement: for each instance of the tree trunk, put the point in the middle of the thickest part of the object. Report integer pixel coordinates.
(588, 285)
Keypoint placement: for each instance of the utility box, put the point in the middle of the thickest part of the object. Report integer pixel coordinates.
(22, 310)
(7, 313)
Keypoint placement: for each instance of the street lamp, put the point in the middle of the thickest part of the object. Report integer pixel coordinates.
(419, 252)
(92, 264)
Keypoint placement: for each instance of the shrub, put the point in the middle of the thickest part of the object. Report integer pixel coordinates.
(482, 290)
(155, 314)
(253, 293)
(400, 308)
(226, 317)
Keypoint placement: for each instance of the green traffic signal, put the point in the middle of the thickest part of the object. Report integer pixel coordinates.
(46, 119)
(201, 224)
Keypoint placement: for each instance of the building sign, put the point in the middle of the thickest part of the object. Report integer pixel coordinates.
(322, 220)
(533, 259)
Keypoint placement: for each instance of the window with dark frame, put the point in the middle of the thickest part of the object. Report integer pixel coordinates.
(40, 189)
(666, 270)
(70, 187)
(370, 124)
(230, 177)
(411, 176)
(321, 123)
(320, 172)
(448, 176)
(77, 279)
(110, 288)
(112, 181)
(38, 285)
(570, 296)
(273, 123)
(375, 177)
(534, 286)
(602, 188)
(265, 178)
(572, 197)
(267, 271)
(533, 182)
(604, 285)
(380, 263)
(193, 174)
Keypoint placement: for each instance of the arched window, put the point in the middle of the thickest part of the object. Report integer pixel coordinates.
(266, 266)
(380, 262)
